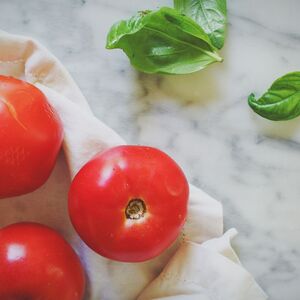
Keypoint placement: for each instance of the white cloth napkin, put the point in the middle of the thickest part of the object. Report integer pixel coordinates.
(200, 265)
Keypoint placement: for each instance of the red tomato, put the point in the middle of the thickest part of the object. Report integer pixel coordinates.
(31, 135)
(129, 203)
(36, 263)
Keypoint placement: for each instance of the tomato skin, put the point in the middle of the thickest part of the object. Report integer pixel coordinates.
(31, 135)
(37, 263)
(99, 200)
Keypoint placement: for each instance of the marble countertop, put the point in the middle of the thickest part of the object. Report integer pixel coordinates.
(251, 165)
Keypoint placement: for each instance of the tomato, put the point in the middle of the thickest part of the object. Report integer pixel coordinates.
(129, 203)
(36, 263)
(31, 135)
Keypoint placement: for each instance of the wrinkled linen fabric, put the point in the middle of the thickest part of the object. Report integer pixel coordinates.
(200, 265)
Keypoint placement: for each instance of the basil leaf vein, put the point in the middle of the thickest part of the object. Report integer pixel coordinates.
(211, 15)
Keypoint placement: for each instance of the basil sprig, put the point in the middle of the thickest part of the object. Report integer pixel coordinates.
(167, 41)
(163, 41)
(281, 101)
(211, 15)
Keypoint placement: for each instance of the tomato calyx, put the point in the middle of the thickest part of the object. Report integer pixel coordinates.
(136, 209)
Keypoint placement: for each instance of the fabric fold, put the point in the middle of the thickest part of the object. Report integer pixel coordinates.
(208, 271)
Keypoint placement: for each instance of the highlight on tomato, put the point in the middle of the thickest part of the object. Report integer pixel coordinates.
(37, 263)
(129, 203)
(31, 135)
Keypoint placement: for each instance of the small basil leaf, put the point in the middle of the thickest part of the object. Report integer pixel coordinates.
(281, 101)
(211, 15)
(163, 41)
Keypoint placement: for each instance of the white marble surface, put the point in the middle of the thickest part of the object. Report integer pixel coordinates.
(251, 165)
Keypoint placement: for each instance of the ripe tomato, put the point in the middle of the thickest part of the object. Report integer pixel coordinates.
(129, 203)
(36, 263)
(31, 135)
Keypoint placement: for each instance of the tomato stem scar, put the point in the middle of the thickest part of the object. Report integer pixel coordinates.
(135, 209)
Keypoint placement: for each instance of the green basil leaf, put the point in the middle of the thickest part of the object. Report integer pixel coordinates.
(211, 15)
(281, 101)
(163, 41)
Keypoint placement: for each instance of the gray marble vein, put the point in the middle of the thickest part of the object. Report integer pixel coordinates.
(251, 165)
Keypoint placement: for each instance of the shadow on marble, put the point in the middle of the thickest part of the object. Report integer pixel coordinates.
(278, 129)
(199, 88)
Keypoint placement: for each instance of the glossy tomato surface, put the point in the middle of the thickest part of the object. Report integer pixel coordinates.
(36, 263)
(129, 203)
(31, 135)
